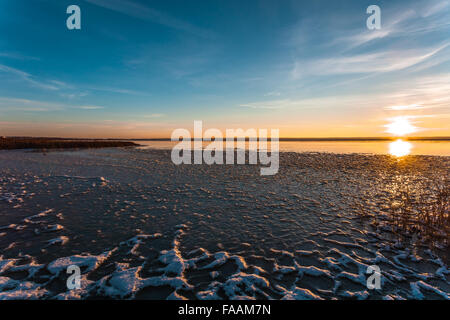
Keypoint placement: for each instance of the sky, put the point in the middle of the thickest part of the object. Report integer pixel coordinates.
(140, 69)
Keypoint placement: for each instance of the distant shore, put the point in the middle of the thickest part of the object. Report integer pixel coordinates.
(362, 139)
(10, 143)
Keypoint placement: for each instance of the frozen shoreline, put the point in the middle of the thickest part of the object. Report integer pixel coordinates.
(141, 227)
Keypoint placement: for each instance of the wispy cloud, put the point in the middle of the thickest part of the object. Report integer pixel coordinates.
(140, 11)
(420, 93)
(26, 105)
(273, 94)
(436, 7)
(187, 58)
(390, 27)
(118, 90)
(384, 61)
(90, 107)
(154, 115)
(407, 107)
(73, 95)
(17, 56)
(27, 77)
(398, 22)
(273, 104)
(308, 103)
(18, 104)
(351, 49)
(427, 91)
(91, 129)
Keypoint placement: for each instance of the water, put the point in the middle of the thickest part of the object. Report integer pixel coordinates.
(435, 148)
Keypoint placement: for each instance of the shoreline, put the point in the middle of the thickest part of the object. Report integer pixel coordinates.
(10, 143)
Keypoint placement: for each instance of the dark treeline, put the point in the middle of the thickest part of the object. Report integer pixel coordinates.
(8, 143)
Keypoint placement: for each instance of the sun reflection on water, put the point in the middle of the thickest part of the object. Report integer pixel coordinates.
(400, 148)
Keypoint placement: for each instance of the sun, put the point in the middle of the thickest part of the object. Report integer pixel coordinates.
(400, 126)
(400, 148)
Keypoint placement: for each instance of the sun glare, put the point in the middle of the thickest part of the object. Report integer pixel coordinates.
(400, 148)
(400, 126)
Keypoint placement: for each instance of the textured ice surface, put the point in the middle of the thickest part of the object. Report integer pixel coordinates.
(140, 227)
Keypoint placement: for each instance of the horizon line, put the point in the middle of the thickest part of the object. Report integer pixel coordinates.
(434, 138)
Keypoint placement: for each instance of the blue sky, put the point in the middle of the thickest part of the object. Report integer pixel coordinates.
(143, 68)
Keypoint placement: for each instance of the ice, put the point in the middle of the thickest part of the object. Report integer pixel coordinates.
(5, 264)
(122, 283)
(62, 240)
(17, 290)
(39, 215)
(152, 229)
(417, 293)
(300, 294)
(136, 241)
(89, 262)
